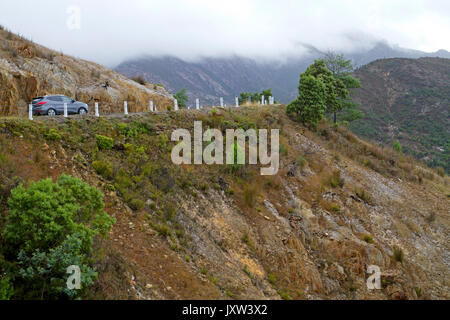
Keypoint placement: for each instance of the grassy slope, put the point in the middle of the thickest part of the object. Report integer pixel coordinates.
(184, 233)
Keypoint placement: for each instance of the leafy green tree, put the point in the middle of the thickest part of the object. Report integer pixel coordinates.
(243, 97)
(182, 98)
(51, 226)
(255, 97)
(337, 64)
(310, 105)
(341, 69)
(266, 93)
(335, 88)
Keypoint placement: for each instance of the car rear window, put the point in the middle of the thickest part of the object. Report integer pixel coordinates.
(37, 99)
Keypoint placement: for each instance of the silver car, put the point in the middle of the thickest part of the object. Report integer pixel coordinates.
(53, 105)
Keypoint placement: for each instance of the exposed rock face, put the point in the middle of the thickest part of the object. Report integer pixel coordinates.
(28, 70)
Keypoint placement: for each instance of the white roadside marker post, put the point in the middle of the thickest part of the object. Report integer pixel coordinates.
(221, 102)
(237, 102)
(125, 107)
(97, 114)
(175, 102)
(262, 100)
(30, 112)
(197, 104)
(65, 110)
(151, 105)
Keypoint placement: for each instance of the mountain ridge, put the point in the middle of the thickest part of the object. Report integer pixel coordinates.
(211, 78)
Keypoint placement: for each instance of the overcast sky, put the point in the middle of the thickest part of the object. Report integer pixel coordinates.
(112, 30)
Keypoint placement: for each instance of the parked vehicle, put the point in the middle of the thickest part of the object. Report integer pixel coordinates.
(54, 105)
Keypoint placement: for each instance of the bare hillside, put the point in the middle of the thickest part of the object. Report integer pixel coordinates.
(28, 70)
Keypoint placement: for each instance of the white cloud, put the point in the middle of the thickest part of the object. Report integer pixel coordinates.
(113, 30)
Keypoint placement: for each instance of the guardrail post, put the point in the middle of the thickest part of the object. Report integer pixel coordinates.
(237, 102)
(197, 104)
(175, 102)
(125, 107)
(262, 100)
(221, 102)
(30, 112)
(65, 110)
(97, 114)
(151, 105)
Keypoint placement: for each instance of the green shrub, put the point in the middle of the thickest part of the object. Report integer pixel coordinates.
(50, 227)
(53, 135)
(6, 290)
(335, 208)
(368, 238)
(397, 146)
(103, 168)
(284, 295)
(250, 195)
(336, 180)
(104, 143)
(364, 196)
(398, 254)
(162, 229)
(272, 279)
(136, 204)
(246, 240)
(247, 272)
(440, 171)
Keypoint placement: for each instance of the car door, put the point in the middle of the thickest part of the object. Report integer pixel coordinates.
(57, 104)
(71, 106)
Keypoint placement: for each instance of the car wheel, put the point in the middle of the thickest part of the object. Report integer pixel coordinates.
(51, 112)
(82, 112)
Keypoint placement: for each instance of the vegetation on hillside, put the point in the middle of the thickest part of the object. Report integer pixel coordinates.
(407, 100)
(49, 227)
(322, 91)
(214, 231)
(182, 98)
(254, 97)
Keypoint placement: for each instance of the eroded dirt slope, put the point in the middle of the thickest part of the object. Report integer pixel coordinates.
(337, 205)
